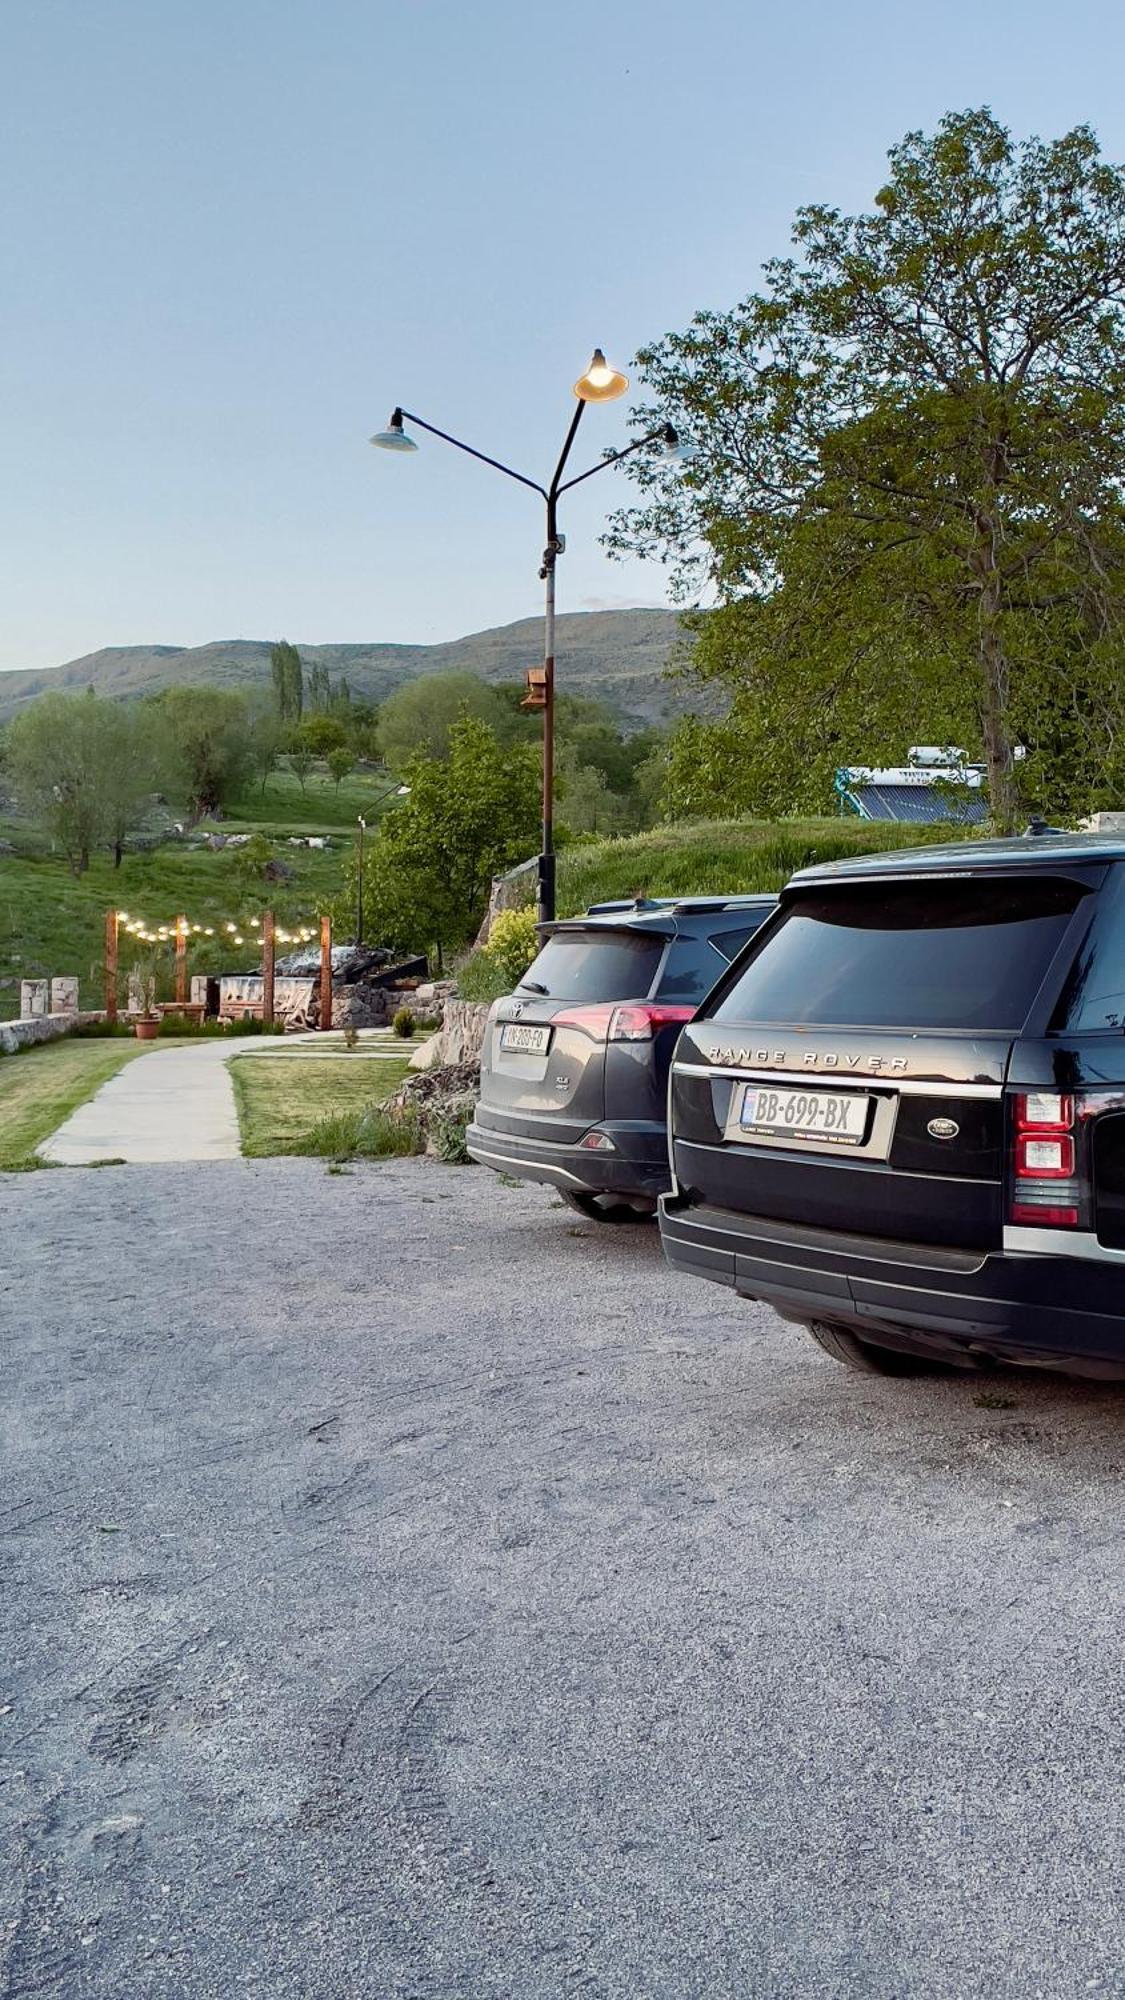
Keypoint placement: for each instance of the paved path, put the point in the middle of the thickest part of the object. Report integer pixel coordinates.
(173, 1104)
(178, 1104)
(413, 1593)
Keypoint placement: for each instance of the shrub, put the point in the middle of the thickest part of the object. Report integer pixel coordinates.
(403, 1023)
(374, 1134)
(501, 963)
(513, 942)
(447, 1135)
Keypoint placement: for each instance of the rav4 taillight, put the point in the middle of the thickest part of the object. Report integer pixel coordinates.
(1046, 1190)
(628, 1021)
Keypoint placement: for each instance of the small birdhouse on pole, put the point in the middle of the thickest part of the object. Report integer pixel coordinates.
(536, 696)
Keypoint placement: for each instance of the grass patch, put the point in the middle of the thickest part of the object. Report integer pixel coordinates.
(302, 1104)
(720, 857)
(41, 1086)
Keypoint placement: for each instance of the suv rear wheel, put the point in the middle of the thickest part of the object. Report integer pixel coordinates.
(863, 1356)
(608, 1207)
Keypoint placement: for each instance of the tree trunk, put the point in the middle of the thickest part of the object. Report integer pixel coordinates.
(117, 853)
(995, 682)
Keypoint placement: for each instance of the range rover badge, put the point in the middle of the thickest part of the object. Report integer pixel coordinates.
(943, 1128)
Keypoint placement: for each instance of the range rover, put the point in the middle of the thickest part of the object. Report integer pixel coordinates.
(900, 1117)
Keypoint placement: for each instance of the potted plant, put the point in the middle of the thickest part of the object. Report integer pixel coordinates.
(142, 994)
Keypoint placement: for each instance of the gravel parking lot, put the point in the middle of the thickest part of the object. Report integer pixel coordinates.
(408, 1589)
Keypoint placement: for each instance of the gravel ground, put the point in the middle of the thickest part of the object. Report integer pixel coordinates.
(409, 1591)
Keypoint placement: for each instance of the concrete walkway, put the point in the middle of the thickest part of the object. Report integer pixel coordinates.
(174, 1104)
(178, 1104)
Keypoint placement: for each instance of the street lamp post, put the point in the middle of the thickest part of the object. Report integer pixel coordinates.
(362, 825)
(600, 384)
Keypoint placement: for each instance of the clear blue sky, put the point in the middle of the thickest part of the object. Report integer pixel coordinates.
(234, 234)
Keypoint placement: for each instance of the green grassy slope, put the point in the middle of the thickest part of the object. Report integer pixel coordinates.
(52, 922)
(714, 857)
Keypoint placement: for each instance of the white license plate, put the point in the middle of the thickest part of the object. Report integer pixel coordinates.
(527, 1040)
(814, 1117)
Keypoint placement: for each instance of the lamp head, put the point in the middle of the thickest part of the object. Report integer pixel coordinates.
(394, 438)
(675, 449)
(600, 383)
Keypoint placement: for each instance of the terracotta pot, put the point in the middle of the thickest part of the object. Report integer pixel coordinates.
(146, 1031)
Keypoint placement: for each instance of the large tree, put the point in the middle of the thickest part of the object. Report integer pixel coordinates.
(56, 759)
(210, 743)
(287, 675)
(468, 816)
(907, 499)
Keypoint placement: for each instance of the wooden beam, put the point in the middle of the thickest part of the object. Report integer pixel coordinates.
(325, 973)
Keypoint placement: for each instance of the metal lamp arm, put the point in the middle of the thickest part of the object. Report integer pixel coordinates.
(472, 451)
(615, 458)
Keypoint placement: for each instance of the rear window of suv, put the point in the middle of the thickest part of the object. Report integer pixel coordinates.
(598, 964)
(970, 953)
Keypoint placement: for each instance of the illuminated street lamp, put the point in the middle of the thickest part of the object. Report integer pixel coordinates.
(600, 384)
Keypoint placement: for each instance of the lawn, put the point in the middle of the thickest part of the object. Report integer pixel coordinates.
(719, 857)
(41, 1086)
(281, 1099)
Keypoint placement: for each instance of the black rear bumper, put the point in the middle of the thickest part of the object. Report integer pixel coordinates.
(637, 1166)
(1031, 1309)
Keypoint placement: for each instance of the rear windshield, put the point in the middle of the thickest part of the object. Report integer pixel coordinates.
(694, 964)
(940, 954)
(595, 965)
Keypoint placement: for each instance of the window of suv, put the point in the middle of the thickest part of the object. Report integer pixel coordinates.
(942, 954)
(595, 964)
(1093, 996)
(694, 963)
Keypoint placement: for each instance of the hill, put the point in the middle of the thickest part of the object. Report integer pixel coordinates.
(619, 656)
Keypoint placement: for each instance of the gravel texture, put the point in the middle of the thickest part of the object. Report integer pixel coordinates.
(409, 1590)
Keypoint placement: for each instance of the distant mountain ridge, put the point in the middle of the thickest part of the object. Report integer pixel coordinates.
(619, 656)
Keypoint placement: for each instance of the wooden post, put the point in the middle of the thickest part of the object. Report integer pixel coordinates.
(111, 965)
(326, 973)
(267, 969)
(181, 960)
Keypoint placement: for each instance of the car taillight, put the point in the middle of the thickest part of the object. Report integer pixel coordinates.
(628, 1021)
(1046, 1191)
(640, 1024)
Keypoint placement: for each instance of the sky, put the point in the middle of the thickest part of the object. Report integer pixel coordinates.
(234, 235)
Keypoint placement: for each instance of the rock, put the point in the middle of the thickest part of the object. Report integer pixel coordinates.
(442, 1100)
(361, 1006)
(459, 1039)
(278, 871)
(514, 891)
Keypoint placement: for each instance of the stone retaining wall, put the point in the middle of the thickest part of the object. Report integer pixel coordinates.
(16, 1035)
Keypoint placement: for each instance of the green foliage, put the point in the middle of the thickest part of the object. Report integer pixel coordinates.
(83, 769)
(719, 857)
(513, 942)
(248, 864)
(373, 1134)
(322, 733)
(418, 719)
(301, 761)
(907, 498)
(340, 765)
(210, 739)
(446, 1134)
(287, 676)
(469, 816)
(403, 1023)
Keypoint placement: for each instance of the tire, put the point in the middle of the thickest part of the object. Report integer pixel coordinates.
(608, 1207)
(865, 1357)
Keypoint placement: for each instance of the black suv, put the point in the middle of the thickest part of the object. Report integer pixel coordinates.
(900, 1118)
(574, 1070)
